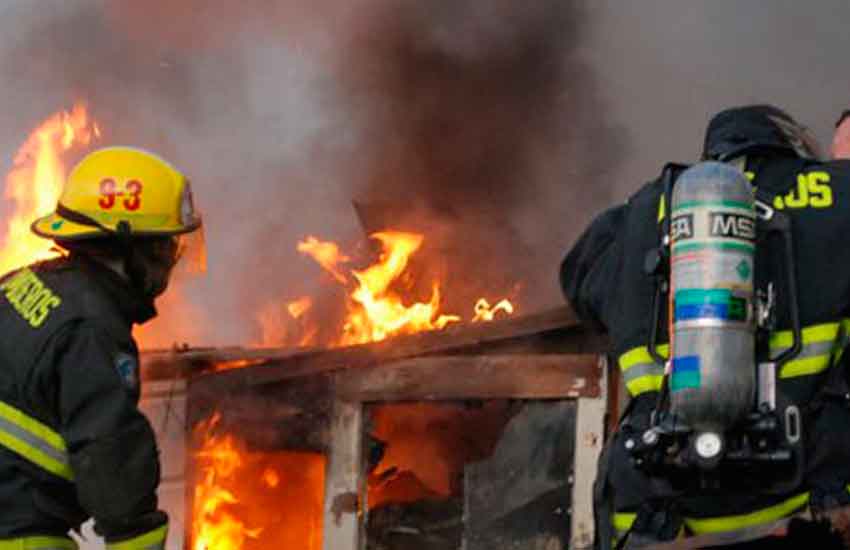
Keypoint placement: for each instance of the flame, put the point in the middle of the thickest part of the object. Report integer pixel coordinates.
(381, 312)
(241, 501)
(327, 254)
(35, 183)
(428, 446)
(299, 307)
(215, 527)
(271, 478)
(376, 310)
(291, 327)
(484, 312)
(236, 364)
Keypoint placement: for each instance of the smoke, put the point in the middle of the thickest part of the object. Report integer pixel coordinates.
(480, 134)
(478, 121)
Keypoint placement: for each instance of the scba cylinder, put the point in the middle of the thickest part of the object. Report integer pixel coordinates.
(712, 229)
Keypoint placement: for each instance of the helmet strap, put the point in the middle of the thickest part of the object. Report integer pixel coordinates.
(146, 277)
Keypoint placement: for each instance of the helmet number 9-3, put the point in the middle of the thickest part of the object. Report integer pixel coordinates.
(130, 197)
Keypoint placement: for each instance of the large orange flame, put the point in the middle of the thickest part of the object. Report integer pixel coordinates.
(218, 460)
(35, 183)
(381, 312)
(251, 500)
(376, 309)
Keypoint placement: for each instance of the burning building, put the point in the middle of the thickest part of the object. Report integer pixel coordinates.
(431, 440)
(393, 430)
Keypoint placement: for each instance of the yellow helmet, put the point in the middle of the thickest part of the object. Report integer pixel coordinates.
(121, 190)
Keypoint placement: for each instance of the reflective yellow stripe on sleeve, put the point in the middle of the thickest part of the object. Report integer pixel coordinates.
(34, 441)
(38, 543)
(152, 540)
(640, 372)
(822, 344)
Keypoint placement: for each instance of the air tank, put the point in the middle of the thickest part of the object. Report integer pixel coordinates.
(712, 229)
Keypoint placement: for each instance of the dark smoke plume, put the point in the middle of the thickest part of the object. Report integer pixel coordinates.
(486, 124)
(477, 121)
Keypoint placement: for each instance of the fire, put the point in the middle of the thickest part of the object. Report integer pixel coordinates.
(428, 446)
(215, 527)
(236, 364)
(290, 326)
(299, 307)
(484, 312)
(271, 478)
(35, 183)
(251, 500)
(376, 310)
(327, 254)
(381, 312)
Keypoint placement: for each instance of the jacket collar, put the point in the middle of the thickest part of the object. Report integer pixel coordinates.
(135, 308)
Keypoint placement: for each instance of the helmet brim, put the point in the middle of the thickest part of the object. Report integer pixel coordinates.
(54, 226)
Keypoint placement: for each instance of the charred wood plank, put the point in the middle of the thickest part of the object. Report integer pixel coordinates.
(451, 338)
(534, 376)
(273, 366)
(293, 415)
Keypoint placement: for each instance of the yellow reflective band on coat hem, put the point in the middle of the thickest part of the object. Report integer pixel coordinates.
(34, 441)
(38, 543)
(623, 521)
(701, 526)
(152, 540)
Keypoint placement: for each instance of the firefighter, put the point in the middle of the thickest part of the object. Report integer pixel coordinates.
(841, 138)
(73, 443)
(608, 278)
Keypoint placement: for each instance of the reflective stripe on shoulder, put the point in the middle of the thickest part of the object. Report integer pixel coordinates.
(787, 507)
(29, 438)
(640, 372)
(152, 540)
(38, 543)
